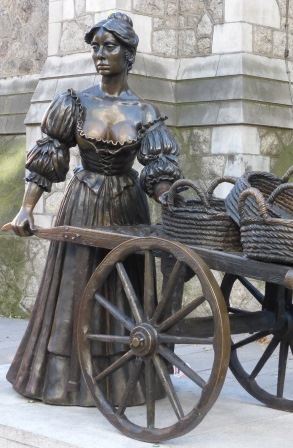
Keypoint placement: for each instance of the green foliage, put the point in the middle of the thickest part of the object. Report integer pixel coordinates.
(284, 161)
(12, 159)
(12, 249)
(12, 263)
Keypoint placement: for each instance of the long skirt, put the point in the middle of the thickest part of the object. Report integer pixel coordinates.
(45, 366)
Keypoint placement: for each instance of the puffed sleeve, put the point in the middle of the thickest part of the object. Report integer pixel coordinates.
(48, 160)
(159, 154)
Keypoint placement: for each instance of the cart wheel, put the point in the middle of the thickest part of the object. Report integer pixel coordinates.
(154, 342)
(274, 348)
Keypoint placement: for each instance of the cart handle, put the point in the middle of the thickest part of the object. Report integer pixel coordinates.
(259, 200)
(186, 183)
(278, 190)
(287, 175)
(219, 180)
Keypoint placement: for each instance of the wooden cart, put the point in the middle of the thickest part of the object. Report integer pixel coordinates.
(160, 324)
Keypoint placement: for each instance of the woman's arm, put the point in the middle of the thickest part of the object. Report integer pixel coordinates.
(23, 223)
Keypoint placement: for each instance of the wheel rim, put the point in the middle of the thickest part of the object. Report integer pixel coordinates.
(148, 341)
(275, 355)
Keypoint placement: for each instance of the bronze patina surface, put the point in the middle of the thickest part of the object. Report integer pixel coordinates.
(111, 126)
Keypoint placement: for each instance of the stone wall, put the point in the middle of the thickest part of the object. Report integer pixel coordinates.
(23, 36)
(215, 67)
(23, 50)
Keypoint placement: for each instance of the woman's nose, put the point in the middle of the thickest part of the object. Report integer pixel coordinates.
(100, 53)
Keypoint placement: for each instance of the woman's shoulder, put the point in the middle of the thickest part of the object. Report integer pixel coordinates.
(150, 113)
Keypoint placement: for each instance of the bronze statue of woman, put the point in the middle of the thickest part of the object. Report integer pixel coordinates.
(111, 126)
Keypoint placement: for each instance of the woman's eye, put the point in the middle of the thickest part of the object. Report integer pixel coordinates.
(95, 47)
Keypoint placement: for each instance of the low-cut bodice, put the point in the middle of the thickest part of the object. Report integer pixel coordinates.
(107, 147)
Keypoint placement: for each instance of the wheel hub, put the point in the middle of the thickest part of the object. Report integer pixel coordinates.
(143, 340)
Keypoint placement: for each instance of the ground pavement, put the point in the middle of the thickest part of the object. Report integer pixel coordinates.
(236, 420)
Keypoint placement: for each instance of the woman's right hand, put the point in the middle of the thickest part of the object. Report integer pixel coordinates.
(23, 223)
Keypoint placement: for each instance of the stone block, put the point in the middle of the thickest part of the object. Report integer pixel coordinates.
(270, 144)
(68, 9)
(36, 113)
(199, 67)
(18, 84)
(261, 12)
(171, 8)
(279, 45)
(125, 5)
(199, 141)
(165, 42)
(187, 43)
(78, 83)
(204, 45)
(263, 40)
(231, 37)
(259, 66)
(68, 65)
(79, 7)
(52, 203)
(55, 11)
(43, 220)
(33, 133)
(237, 165)
(191, 7)
(15, 104)
(149, 7)
(216, 10)
(6, 27)
(45, 90)
(235, 140)
(72, 39)
(100, 5)
(54, 38)
(205, 26)
(156, 66)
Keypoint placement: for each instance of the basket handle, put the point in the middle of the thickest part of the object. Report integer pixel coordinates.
(259, 200)
(278, 190)
(186, 183)
(287, 175)
(219, 180)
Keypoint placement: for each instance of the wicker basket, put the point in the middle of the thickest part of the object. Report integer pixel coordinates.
(266, 183)
(197, 222)
(265, 237)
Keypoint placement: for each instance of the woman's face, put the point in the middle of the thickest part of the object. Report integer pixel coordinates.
(108, 54)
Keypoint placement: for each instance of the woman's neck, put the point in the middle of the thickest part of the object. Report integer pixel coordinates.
(114, 85)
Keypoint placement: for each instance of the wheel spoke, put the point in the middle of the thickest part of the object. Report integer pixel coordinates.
(130, 293)
(252, 289)
(115, 365)
(178, 362)
(283, 355)
(108, 338)
(248, 340)
(149, 283)
(168, 386)
(168, 290)
(124, 320)
(264, 358)
(187, 309)
(133, 378)
(169, 339)
(150, 392)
